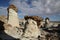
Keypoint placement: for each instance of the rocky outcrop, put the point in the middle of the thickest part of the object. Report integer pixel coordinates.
(35, 18)
(31, 29)
(28, 29)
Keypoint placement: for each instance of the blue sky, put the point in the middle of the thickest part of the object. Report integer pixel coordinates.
(44, 8)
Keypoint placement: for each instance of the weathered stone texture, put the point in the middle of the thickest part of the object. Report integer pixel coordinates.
(31, 29)
(13, 16)
(35, 18)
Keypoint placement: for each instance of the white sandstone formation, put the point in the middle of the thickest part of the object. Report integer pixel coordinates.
(31, 29)
(15, 32)
(13, 16)
(12, 28)
(47, 23)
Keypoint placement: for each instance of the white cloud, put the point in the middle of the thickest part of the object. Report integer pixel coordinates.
(38, 6)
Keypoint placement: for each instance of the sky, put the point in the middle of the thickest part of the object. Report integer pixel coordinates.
(43, 8)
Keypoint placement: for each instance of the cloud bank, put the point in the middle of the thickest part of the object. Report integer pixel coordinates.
(37, 7)
(44, 8)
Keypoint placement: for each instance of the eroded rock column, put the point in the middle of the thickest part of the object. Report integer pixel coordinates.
(31, 29)
(13, 16)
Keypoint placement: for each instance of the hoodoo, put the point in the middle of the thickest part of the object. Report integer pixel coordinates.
(13, 16)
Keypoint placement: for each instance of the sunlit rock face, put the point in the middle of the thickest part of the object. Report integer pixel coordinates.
(31, 29)
(15, 32)
(12, 16)
(12, 28)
